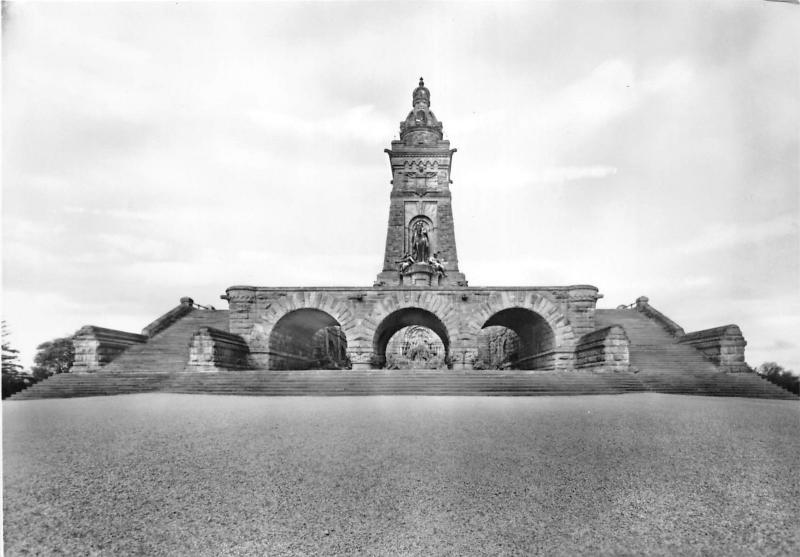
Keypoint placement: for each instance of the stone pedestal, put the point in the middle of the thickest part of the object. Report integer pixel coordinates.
(420, 274)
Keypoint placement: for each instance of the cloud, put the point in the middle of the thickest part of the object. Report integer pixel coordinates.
(722, 235)
(570, 173)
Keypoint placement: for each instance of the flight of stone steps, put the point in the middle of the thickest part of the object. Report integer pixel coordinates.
(337, 382)
(69, 385)
(403, 382)
(169, 349)
(663, 365)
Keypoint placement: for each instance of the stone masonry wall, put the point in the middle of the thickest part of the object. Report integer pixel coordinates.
(97, 346)
(254, 312)
(722, 345)
(604, 350)
(215, 350)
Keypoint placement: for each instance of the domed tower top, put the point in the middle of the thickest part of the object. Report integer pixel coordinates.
(422, 96)
(421, 126)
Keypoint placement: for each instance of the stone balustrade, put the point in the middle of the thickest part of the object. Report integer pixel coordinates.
(168, 319)
(668, 324)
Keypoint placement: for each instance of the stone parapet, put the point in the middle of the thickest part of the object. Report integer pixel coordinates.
(668, 324)
(602, 350)
(216, 350)
(97, 346)
(168, 319)
(724, 346)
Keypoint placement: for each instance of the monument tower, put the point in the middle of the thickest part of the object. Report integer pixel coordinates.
(420, 212)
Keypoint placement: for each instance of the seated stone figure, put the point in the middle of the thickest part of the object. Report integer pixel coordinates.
(405, 262)
(437, 264)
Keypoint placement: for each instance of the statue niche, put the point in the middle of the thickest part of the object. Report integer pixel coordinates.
(420, 240)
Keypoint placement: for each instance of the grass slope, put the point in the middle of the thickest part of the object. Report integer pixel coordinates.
(159, 474)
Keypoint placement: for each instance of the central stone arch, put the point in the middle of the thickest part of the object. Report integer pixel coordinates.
(431, 308)
(407, 317)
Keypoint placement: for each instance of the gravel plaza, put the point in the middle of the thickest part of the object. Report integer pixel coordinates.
(166, 474)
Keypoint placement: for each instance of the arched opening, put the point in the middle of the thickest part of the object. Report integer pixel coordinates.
(498, 348)
(415, 347)
(307, 339)
(516, 338)
(415, 338)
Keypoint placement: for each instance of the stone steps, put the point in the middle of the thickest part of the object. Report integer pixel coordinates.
(67, 385)
(405, 382)
(169, 349)
(332, 383)
(666, 366)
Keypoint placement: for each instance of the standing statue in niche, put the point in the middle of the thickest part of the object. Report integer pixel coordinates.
(420, 243)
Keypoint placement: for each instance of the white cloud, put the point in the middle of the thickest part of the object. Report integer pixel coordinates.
(567, 173)
(723, 235)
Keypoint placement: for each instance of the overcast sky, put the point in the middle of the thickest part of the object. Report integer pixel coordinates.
(156, 150)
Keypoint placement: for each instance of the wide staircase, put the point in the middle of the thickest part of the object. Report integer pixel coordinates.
(70, 385)
(168, 351)
(402, 382)
(666, 366)
(336, 383)
(143, 368)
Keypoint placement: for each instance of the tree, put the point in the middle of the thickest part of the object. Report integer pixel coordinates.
(14, 380)
(785, 378)
(11, 364)
(54, 356)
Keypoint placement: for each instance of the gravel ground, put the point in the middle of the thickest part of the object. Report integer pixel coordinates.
(160, 474)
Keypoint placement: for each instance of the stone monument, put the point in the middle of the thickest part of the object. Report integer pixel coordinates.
(419, 288)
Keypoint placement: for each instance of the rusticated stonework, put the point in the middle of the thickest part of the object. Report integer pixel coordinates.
(277, 321)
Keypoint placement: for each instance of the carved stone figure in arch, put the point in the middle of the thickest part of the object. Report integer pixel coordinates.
(420, 230)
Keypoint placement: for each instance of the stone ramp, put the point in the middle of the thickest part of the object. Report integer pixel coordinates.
(168, 351)
(666, 366)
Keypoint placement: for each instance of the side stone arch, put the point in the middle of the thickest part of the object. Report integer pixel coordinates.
(273, 311)
(479, 314)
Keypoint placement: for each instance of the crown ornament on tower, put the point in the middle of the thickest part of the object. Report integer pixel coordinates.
(421, 127)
